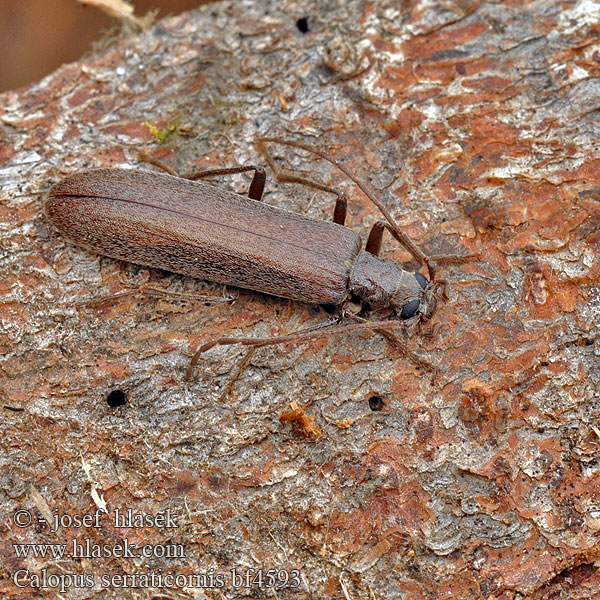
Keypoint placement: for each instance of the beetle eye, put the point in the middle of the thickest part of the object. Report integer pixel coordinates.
(422, 280)
(410, 309)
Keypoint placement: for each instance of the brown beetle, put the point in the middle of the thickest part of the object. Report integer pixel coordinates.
(190, 227)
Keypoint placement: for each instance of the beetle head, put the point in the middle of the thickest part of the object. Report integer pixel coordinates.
(384, 284)
(423, 303)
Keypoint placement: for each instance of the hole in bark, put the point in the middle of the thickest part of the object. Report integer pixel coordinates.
(376, 403)
(116, 398)
(302, 25)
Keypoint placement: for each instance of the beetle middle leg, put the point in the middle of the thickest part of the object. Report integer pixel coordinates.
(286, 176)
(375, 236)
(246, 359)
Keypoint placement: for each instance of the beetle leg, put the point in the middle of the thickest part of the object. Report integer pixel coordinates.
(258, 181)
(242, 364)
(256, 187)
(165, 293)
(157, 163)
(442, 283)
(396, 343)
(375, 237)
(148, 290)
(374, 245)
(284, 176)
(322, 330)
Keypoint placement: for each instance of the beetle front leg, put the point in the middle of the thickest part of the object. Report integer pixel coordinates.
(391, 225)
(374, 240)
(299, 337)
(373, 245)
(393, 340)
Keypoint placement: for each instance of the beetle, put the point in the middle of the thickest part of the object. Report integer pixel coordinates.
(187, 226)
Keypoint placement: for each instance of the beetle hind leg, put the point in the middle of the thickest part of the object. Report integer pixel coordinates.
(256, 187)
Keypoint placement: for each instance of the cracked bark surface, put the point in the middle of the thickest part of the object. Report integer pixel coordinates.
(477, 124)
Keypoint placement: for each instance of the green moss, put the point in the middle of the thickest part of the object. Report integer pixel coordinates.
(171, 129)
